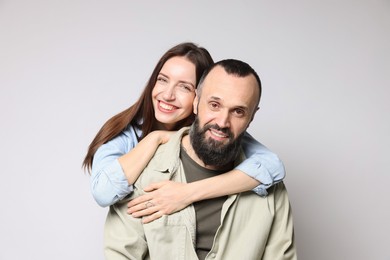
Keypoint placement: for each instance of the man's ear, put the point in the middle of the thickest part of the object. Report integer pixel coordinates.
(195, 104)
(253, 116)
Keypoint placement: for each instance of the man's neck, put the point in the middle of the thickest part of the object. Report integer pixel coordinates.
(186, 143)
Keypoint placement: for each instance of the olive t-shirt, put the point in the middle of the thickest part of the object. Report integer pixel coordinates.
(208, 212)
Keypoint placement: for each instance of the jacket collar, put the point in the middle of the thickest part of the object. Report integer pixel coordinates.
(168, 154)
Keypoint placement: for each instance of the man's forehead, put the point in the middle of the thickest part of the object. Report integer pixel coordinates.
(219, 75)
(219, 83)
(216, 79)
(216, 73)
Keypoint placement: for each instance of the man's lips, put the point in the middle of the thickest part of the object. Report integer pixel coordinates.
(218, 135)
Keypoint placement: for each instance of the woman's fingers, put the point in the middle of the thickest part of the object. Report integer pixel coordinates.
(152, 217)
(147, 209)
(137, 202)
(143, 209)
(155, 186)
(164, 198)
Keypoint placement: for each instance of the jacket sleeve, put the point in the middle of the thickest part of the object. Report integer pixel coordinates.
(280, 243)
(261, 164)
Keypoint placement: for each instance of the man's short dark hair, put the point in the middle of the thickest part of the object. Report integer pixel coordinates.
(232, 67)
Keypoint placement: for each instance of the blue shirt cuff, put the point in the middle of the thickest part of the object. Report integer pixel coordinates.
(258, 172)
(110, 185)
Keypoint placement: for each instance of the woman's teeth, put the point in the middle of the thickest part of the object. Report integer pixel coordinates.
(166, 106)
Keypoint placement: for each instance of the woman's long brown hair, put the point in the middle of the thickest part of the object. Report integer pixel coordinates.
(141, 113)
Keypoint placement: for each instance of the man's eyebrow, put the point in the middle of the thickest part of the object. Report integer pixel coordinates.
(215, 98)
(244, 107)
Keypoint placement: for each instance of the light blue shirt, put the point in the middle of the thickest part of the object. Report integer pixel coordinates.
(109, 183)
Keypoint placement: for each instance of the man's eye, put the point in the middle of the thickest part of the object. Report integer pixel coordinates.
(214, 105)
(239, 112)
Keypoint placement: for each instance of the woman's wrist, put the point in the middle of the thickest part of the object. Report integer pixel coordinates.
(159, 136)
(197, 191)
(228, 183)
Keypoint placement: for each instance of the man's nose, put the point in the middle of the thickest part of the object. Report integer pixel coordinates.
(223, 119)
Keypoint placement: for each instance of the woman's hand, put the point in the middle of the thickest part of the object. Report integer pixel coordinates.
(135, 161)
(163, 136)
(162, 198)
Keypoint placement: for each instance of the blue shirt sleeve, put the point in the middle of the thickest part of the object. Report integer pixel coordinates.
(261, 164)
(108, 181)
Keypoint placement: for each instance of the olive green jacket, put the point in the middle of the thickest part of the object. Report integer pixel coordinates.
(252, 227)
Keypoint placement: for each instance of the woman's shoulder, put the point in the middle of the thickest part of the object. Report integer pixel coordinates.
(132, 132)
(127, 138)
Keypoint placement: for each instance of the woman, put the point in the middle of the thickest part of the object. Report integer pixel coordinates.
(126, 142)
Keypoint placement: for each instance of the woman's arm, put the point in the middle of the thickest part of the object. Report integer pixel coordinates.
(135, 161)
(168, 197)
(261, 164)
(118, 163)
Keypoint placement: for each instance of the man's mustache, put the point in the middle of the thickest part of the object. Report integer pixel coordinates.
(224, 130)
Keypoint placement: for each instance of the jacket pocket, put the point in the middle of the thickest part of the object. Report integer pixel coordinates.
(169, 238)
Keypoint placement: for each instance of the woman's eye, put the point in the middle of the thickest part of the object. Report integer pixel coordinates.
(186, 87)
(161, 79)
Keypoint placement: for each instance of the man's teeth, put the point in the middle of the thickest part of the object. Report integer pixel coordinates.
(166, 106)
(218, 134)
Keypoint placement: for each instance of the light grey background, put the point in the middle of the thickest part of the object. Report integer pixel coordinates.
(67, 66)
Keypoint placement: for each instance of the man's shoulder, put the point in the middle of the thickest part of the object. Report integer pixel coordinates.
(275, 192)
(277, 189)
(167, 155)
(164, 162)
(172, 145)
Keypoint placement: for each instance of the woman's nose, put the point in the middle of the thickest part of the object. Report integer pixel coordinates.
(169, 93)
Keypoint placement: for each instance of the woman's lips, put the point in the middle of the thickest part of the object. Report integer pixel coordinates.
(166, 107)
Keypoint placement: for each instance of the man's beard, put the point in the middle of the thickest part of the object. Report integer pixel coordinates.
(211, 151)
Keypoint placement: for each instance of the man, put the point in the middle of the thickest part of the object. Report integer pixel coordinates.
(240, 226)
